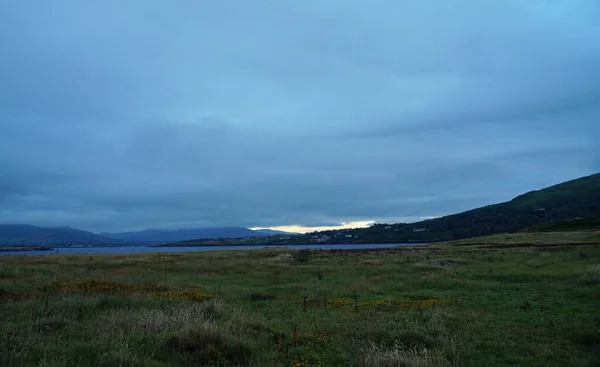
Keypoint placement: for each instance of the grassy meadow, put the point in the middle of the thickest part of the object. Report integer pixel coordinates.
(548, 239)
(443, 305)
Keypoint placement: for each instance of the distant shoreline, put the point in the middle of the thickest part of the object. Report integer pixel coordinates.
(291, 244)
(25, 248)
(174, 249)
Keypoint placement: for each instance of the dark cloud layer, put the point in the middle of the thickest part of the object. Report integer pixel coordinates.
(119, 116)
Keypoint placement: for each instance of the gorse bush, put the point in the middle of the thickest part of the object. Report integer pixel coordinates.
(106, 287)
(185, 294)
(111, 288)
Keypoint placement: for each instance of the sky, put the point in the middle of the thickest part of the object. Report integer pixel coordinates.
(125, 115)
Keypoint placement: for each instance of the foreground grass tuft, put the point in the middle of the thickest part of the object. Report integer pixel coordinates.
(400, 356)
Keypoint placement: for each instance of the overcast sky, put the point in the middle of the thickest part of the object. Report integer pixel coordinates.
(122, 115)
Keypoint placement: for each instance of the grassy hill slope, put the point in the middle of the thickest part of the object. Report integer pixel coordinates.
(578, 198)
(570, 200)
(567, 225)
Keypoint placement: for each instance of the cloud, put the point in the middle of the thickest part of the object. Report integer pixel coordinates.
(126, 116)
(325, 227)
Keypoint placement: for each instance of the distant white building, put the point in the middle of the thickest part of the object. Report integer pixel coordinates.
(419, 229)
(322, 238)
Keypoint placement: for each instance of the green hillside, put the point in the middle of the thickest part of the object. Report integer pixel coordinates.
(551, 207)
(578, 198)
(574, 199)
(567, 225)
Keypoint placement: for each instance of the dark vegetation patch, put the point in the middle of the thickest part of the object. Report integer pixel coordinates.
(50, 325)
(258, 296)
(210, 347)
(113, 302)
(588, 337)
(8, 295)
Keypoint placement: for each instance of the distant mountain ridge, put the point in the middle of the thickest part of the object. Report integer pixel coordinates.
(174, 235)
(24, 234)
(579, 198)
(273, 232)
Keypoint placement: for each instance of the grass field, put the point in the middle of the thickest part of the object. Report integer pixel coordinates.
(446, 305)
(534, 238)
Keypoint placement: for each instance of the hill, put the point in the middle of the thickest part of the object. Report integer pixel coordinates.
(578, 198)
(556, 208)
(531, 239)
(567, 225)
(272, 232)
(570, 200)
(166, 235)
(22, 234)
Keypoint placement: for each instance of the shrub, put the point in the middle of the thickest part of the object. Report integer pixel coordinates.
(49, 325)
(259, 296)
(302, 256)
(594, 358)
(587, 337)
(205, 344)
(112, 302)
